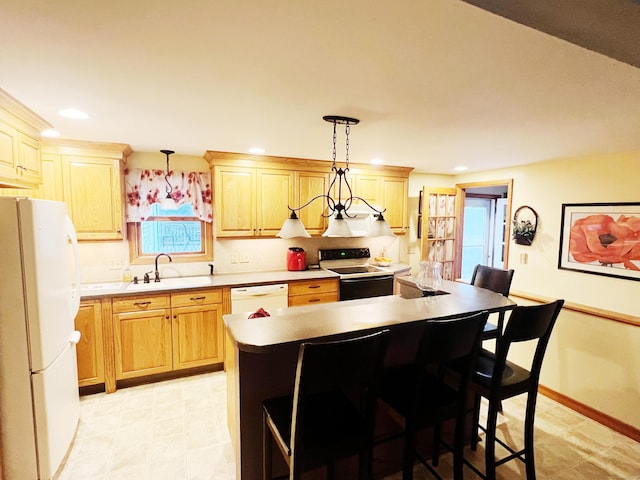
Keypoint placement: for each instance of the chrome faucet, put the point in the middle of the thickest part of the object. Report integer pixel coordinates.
(157, 279)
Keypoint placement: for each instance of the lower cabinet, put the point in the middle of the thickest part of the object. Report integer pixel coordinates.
(313, 291)
(161, 333)
(197, 328)
(90, 351)
(142, 331)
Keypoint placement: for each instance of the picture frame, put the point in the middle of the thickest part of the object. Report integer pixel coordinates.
(601, 239)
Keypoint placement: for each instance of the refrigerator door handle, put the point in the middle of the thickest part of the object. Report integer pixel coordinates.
(74, 338)
(75, 294)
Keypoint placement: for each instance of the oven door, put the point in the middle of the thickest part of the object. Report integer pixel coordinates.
(365, 287)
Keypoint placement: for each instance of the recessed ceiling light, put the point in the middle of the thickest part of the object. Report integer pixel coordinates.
(50, 133)
(257, 150)
(376, 161)
(73, 113)
(460, 168)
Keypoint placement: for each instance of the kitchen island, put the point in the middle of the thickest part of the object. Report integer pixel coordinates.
(261, 353)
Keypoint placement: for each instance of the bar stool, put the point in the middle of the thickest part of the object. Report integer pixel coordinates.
(332, 410)
(496, 280)
(497, 379)
(421, 395)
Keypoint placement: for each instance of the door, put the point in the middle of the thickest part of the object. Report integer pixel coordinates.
(48, 282)
(476, 235)
(56, 407)
(484, 225)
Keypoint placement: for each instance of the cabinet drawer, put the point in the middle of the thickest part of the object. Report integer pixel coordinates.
(196, 297)
(313, 299)
(140, 303)
(313, 287)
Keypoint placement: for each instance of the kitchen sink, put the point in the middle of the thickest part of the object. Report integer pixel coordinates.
(173, 282)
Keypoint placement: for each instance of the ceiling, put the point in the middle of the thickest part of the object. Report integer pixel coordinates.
(435, 83)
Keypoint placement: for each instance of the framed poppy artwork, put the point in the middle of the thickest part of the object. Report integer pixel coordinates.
(601, 238)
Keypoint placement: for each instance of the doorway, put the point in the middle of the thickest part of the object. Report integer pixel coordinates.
(484, 211)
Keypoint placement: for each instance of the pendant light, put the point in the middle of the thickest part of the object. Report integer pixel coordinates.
(336, 207)
(168, 203)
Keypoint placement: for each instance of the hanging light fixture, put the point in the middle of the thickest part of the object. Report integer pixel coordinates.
(168, 203)
(338, 208)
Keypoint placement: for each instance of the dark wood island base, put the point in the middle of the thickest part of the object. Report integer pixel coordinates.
(261, 356)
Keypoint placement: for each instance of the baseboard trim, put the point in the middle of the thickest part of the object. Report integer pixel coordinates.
(606, 420)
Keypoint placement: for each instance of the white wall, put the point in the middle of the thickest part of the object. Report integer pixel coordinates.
(590, 359)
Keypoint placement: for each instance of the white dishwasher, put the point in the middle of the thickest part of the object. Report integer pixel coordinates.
(250, 299)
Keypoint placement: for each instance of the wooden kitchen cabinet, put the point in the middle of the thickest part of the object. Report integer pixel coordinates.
(251, 202)
(313, 291)
(163, 333)
(197, 328)
(309, 185)
(142, 331)
(252, 192)
(93, 193)
(20, 144)
(387, 192)
(88, 177)
(90, 351)
(51, 186)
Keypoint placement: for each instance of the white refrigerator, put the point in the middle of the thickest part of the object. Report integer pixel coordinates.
(39, 298)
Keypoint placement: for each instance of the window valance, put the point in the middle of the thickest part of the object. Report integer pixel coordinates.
(145, 187)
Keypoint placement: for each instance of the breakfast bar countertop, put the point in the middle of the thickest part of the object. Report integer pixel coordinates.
(296, 324)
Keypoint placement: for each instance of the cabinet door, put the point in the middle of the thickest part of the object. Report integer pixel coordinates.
(368, 187)
(275, 193)
(90, 351)
(51, 186)
(142, 343)
(235, 198)
(394, 193)
(93, 193)
(197, 336)
(8, 153)
(309, 185)
(29, 160)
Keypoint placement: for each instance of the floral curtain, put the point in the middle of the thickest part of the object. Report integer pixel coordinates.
(146, 187)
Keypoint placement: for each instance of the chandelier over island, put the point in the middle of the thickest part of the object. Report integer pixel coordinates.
(338, 208)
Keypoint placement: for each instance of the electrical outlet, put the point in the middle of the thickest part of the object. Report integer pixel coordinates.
(235, 257)
(244, 258)
(113, 264)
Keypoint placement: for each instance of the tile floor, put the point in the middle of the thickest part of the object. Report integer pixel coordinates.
(177, 430)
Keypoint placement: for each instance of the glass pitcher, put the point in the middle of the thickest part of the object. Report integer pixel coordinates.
(429, 278)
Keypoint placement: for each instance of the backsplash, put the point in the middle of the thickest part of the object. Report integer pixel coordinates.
(105, 261)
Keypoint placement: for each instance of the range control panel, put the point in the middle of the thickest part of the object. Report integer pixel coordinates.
(343, 253)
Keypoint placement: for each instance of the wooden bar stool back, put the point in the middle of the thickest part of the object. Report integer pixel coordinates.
(496, 280)
(422, 395)
(332, 410)
(496, 378)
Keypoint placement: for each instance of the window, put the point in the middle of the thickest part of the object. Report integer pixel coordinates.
(177, 232)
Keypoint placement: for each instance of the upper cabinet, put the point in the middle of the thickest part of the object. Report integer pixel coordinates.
(252, 192)
(20, 151)
(88, 177)
(251, 202)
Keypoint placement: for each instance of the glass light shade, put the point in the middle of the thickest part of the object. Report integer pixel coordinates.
(338, 228)
(292, 227)
(168, 204)
(380, 228)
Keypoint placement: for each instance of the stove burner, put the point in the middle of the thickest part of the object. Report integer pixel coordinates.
(348, 270)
